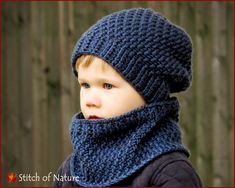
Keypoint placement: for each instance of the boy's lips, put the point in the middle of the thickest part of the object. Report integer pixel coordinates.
(94, 117)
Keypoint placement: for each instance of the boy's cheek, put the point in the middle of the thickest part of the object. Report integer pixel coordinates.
(84, 112)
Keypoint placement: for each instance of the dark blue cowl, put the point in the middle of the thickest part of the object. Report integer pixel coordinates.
(109, 150)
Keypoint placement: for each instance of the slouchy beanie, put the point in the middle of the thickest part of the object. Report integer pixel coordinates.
(149, 51)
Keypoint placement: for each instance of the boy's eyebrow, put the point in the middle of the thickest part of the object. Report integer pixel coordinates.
(81, 79)
(99, 80)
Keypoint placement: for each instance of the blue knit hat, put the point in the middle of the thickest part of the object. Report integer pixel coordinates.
(149, 51)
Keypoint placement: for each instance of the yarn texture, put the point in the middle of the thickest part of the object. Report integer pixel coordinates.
(109, 150)
(149, 51)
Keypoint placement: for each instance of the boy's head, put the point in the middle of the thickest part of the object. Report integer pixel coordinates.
(146, 49)
(104, 93)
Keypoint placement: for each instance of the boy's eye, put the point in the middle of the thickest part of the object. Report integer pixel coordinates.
(85, 85)
(107, 86)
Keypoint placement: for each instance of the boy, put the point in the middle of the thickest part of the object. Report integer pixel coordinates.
(127, 133)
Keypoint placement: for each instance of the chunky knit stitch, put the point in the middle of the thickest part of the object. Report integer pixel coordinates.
(151, 53)
(107, 151)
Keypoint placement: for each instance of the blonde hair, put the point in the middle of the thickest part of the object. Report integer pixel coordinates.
(86, 59)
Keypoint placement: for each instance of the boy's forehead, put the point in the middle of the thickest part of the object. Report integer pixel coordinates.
(96, 65)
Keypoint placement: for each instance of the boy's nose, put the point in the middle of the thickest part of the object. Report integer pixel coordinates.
(93, 102)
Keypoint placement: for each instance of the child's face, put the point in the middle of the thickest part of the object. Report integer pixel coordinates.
(104, 93)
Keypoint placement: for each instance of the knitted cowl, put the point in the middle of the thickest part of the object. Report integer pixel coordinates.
(106, 151)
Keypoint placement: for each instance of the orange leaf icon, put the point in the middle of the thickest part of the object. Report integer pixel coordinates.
(11, 177)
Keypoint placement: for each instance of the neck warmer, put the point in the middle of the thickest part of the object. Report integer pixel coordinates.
(106, 151)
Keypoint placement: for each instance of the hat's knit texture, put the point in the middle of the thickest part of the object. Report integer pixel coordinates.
(109, 150)
(151, 53)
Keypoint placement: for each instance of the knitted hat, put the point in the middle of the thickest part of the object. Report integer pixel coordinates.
(149, 51)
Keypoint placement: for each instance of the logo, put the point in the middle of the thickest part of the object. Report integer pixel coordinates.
(11, 177)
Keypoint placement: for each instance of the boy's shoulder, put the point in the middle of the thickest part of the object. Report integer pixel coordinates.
(65, 166)
(64, 170)
(173, 169)
(170, 169)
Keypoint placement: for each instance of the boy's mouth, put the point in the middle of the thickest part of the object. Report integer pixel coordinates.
(94, 117)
